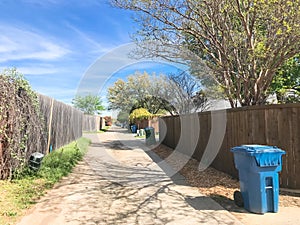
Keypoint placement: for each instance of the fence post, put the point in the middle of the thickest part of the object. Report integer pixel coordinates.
(50, 127)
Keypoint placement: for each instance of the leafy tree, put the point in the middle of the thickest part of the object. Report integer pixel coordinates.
(123, 116)
(242, 42)
(176, 94)
(287, 80)
(139, 114)
(118, 96)
(140, 90)
(154, 104)
(89, 104)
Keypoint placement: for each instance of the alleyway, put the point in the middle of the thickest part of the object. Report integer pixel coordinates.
(118, 183)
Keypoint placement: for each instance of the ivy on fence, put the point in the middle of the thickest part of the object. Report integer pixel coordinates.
(21, 126)
(30, 122)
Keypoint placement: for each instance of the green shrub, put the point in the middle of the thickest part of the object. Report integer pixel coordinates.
(139, 114)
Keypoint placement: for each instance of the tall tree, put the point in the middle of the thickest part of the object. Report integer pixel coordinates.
(139, 91)
(176, 94)
(286, 83)
(154, 104)
(243, 42)
(89, 104)
(123, 117)
(188, 93)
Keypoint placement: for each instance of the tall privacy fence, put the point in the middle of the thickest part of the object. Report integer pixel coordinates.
(93, 123)
(63, 123)
(57, 125)
(153, 122)
(206, 134)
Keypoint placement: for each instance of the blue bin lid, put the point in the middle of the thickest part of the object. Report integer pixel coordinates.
(264, 155)
(257, 149)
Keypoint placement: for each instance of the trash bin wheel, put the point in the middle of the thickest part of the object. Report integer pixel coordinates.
(238, 199)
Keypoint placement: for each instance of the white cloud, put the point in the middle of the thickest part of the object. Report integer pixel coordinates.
(35, 70)
(38, 70)
(95, 45)
(60, 93)
(19, 44)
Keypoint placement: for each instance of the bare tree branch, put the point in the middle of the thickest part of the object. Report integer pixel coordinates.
(243, 42)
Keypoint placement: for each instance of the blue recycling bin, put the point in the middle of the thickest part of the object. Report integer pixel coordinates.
(133, 128)
(258, 167)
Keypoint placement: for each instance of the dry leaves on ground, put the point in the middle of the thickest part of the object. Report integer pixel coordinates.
(213, 183)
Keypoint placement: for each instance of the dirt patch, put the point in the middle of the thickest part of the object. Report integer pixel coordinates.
(215, 184)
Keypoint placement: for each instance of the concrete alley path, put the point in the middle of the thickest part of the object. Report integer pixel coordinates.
(119, 183)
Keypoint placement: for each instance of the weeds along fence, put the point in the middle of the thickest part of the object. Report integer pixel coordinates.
(26, 128)
(63, 123)
(274, 125)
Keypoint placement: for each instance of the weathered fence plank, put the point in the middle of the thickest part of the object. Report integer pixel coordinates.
(275, 125)
(57, 124)
(91, 123)
(66, 123)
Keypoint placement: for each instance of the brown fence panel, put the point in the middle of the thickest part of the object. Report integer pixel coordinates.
(169, 133)
(176, 130)
(162, 129)
(224, 159)
(154, 123)
(203, 136)
(274, 125)
(296, 146)
(91, 123)
(63, 121)
(184, 144)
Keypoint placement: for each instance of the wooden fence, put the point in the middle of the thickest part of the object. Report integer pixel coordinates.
(63, 123)
(142, 124)
(274, 125)
(92, 123)
(57, 125)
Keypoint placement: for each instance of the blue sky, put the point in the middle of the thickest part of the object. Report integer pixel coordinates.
(55, 42)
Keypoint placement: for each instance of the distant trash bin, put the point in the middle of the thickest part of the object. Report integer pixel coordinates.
(133, 128)
(141, 132)
(35, 160)
(258, 167)
(150, 135)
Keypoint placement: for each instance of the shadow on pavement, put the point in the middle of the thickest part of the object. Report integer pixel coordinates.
(126, 190)
(227, 203)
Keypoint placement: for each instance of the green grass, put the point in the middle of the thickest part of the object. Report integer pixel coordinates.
(104, 129)
(19, 194)
(99, 131)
